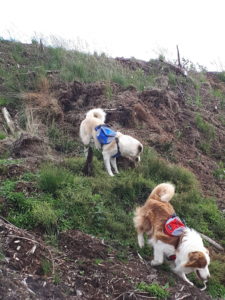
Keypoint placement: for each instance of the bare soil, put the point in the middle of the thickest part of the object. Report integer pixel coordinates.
(82, 267)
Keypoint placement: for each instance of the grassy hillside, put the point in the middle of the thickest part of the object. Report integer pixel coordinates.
(51, 195)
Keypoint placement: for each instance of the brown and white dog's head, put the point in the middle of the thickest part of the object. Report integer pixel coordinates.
(199, 262)
(192, 255)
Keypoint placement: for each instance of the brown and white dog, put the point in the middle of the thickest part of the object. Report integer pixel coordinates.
(191, 255)
(128, 146)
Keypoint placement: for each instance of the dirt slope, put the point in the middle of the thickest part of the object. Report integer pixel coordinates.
(83, 267)
(163, 117)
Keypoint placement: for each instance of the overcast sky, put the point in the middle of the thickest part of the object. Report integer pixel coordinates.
(130, 28)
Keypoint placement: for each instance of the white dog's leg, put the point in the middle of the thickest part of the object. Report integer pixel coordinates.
(158, 256)
(114, 165)
(106, 158)
(86, 151)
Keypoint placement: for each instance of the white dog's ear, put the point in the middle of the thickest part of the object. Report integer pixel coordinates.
(196, 259)
(137, 159)
(140, 148)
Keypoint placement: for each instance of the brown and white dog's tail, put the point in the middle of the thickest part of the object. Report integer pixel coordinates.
(163, 192)
(141, 225)
(96, 113)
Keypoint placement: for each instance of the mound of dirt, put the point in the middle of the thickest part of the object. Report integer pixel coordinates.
(159, 117)
(28, 146)
(83, 267)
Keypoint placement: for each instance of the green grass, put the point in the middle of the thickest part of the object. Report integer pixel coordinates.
(207, 129)
(6, 162)
(2, 135)
(3, 102)
(71, 64)
(154, 290)
(104, 205)
(61, 142)
(221, 76)
(172, 79)
(220, 171)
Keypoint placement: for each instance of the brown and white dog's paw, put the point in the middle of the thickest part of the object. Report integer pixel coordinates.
(155, 263)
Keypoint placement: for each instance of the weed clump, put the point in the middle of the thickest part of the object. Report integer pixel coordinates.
(154, 290)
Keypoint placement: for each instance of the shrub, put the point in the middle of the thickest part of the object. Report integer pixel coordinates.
(53, 178)
(44, 214)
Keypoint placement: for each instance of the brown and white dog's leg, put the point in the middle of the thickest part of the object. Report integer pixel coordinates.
(141, 240)
(158, 255)
(183, 276)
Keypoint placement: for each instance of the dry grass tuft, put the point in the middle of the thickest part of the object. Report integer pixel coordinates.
(43, 105)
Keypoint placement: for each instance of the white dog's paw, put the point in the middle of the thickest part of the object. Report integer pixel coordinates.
(155, 263)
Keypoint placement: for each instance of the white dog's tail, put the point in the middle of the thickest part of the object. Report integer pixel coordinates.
(163, 192)
(96, 113)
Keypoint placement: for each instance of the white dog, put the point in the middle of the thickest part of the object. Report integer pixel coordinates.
(187, 249)
(119, 145)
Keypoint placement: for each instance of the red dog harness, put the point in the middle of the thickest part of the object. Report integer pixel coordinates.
(174, 227)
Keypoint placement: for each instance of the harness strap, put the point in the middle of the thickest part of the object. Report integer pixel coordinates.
(171, 257)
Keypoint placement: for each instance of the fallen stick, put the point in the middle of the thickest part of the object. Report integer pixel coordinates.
(212, 242)
(143, 261)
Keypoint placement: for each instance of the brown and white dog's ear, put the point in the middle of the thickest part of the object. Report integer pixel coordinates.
(207, 250)
(196, 259)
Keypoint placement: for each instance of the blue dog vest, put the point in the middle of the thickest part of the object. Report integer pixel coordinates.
(105, 134)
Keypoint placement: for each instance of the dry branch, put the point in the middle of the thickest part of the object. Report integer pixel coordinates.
(178, 58)
(212, 242)
(8, 120)
(177, 69)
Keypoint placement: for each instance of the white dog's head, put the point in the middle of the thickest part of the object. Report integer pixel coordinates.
(137, 158)
(130, 147)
